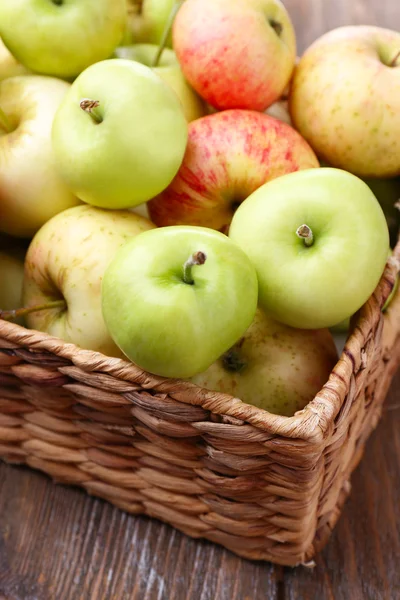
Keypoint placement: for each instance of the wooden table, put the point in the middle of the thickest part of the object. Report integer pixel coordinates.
(59, 544)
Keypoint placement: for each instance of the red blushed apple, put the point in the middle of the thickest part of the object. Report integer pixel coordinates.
(235, 53)
(229, 155)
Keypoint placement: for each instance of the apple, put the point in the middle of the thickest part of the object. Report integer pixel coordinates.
(319, 241)
(11, 278)
(62, 37)
(64, 266)
(170, 72)
(31, 191)
(344, 99)
(176, 298)
(237, 54)
(9, 66)
(229, 155)
(120, 135)
(274, 367)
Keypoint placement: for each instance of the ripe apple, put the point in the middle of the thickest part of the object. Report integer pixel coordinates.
(62, 37)
(229, 155)
(11, 278)
(176, 298)
(275, 367)
(120, 135)
(65, 264)
(319, 241)
(237, 54)
(170, 72)
(344, 99)
(31, 191)
(9, 66)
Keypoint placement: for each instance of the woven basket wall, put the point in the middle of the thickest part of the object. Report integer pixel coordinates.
(264, 486)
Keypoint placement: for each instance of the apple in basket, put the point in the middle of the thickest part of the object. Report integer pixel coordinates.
(169, 70)
(120, 135)
(273, 366)
(344, 99)
(31, 189)
(62, 37)
(319, 241)
(229, 155)
(64, 267)
(176, 298)
(235, 55)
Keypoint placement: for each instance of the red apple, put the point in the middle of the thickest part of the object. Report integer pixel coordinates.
(236, 54)
(229, 155)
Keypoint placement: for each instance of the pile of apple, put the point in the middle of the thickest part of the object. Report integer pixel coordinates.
(192, 195)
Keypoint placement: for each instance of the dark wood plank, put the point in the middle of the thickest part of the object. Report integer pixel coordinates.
(57, 543)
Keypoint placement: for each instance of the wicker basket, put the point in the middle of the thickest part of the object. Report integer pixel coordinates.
(264, 486)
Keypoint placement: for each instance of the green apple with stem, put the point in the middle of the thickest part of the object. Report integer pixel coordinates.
(176, 298)
(273, 366)
(169, 70)
(64, 266)
(62, 37)
(319, 241)
(120, 135)
(31, 190)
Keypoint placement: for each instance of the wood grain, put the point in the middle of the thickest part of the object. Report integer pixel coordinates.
(58, 543)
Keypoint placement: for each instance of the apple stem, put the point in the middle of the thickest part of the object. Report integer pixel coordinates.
(305, 233)
(395, 59)
(90, 106)
(198, 258)
(21, 312)
(166, 32)
(5, 122)
(232, 361)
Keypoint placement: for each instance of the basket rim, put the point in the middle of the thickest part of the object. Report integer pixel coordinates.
(309, 424)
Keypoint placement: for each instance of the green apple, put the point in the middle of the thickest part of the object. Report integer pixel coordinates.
(64, 267)
(11, 279)
(344, 99)
(319, 241)
(9, 66)
(62, 37)
(31, 189)
(176, 298)
(169, 70)
(120, 135)
(275, 367)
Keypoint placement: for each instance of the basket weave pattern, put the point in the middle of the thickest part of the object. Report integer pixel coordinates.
(264, 486)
